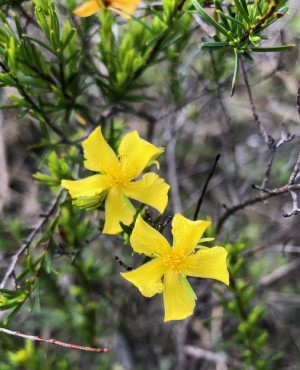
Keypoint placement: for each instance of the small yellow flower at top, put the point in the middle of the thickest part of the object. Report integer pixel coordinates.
(124, 7)
(115, 180)
(168, 269)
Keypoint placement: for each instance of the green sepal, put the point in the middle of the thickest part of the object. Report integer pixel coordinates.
(90, 203)
(127, 229)
(187, 286)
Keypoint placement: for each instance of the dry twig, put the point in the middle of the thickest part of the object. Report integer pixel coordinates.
(54, 341)
(36, 229)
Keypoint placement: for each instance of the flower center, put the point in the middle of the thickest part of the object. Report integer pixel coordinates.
(117, 181)
(175, 261)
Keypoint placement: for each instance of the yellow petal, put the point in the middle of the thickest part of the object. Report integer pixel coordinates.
(124, 7)
(187, 233)
(178, 301)
(151, 190)
(147, 278)
(87, 8)
(117, 209)
(98, 154)
(145, 239)
(135, 154)
(208, 263)
(87, 187)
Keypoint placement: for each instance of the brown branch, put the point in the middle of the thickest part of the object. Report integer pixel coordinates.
(54, 341)
(285, 137)
(295, 172)
(249, 202)
(267, 138)
(295, 209)
(218, 156)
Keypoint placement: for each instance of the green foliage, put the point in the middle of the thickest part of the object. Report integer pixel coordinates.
(238, 27)
(250, 337)
(48, 84)
(58, 169)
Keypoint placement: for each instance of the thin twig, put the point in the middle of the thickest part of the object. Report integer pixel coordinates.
(218, 156)
(295, 172)
(123, 264)
(249, 202)
(295, 209)
(40, 223)
(285, 137)
(267, 138)
(54, 341)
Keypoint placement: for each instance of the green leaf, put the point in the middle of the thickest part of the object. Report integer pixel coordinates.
(207, 18)
(273, 48)
(12, 314)
(221, 13)
(244, 5)
(242, 8)
(39, 42)
(7, 79)
(233, 20)
(236, 71)
(68, 39)
(214, 45)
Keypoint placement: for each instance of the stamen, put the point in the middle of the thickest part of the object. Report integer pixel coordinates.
(175, 261)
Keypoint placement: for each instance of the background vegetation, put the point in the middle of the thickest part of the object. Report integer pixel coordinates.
(60, 77)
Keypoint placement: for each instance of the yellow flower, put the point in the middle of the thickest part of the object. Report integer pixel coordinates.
(168, 269)
(115, 178)
(123, 7)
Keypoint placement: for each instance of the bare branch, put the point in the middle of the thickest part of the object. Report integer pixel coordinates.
(218, 156)
(36, 229)
(286, 136)
(54, 341)
(260, 198)
(268, 139)
(295, 209)
(295, 172)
